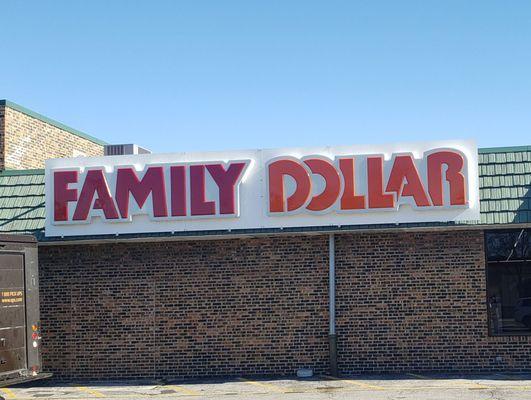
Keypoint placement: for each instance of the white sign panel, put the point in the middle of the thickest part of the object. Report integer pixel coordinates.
(291, 187)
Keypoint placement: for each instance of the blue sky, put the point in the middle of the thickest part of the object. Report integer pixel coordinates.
(214, 75)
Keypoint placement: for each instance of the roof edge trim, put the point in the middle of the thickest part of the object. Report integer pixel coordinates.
(510, 149)
(18, 172)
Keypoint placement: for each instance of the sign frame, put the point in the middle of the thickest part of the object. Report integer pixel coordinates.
(252, 192)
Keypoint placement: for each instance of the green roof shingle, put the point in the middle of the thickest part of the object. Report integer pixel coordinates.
(22, 202)
(505, 185)
(504, 190)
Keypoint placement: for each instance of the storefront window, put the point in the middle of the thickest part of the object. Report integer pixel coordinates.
(509, 281)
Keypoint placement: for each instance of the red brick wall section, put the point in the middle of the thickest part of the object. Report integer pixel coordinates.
(406, 302)
(185, 309)
(416, 302)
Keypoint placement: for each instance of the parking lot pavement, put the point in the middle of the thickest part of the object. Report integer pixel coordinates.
(384, 387)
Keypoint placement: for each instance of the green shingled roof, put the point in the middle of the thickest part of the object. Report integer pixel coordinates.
(505, 185)
(22, 202)
(504, 189)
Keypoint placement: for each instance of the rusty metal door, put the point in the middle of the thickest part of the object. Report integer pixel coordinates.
(12, 313)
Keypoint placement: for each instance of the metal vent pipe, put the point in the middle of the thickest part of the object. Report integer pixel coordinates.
(332, 338)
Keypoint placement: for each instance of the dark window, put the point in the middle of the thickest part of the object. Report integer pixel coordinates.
(509, 281)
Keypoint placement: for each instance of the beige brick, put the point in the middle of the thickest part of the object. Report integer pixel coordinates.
(26, 142)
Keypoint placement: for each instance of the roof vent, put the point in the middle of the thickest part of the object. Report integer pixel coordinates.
(124, 149)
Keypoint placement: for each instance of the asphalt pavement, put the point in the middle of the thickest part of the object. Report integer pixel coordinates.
(377, 387)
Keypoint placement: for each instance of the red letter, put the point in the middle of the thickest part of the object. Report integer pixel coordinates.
(178, 190)
(404, 168)
(199, 205)
(454, 176)
(350, 200)
(377, 198)
(61, 194)
(95, 183)
(152, 182)
(226, 181)
(332, 184)
(277, 170)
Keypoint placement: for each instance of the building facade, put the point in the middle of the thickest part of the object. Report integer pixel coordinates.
(409, 297)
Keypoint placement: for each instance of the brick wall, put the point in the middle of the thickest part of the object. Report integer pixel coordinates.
(2, 128)
(29, 141)
(182, 309)
(405, 302)
(416, 302)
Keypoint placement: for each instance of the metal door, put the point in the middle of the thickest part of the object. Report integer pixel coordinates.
(12, 313)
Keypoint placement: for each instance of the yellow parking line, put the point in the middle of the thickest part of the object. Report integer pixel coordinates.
(516, 387)
(268, 386)
(9, 393)
(356, 383)
(93, 392)
(476, 385)
(468, 384)
(473, 385)
(184, 390)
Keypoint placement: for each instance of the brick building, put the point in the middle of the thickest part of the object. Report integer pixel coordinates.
(421, 296)
(27, 139)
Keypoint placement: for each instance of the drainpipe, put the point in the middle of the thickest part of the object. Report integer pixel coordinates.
(332, 338)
